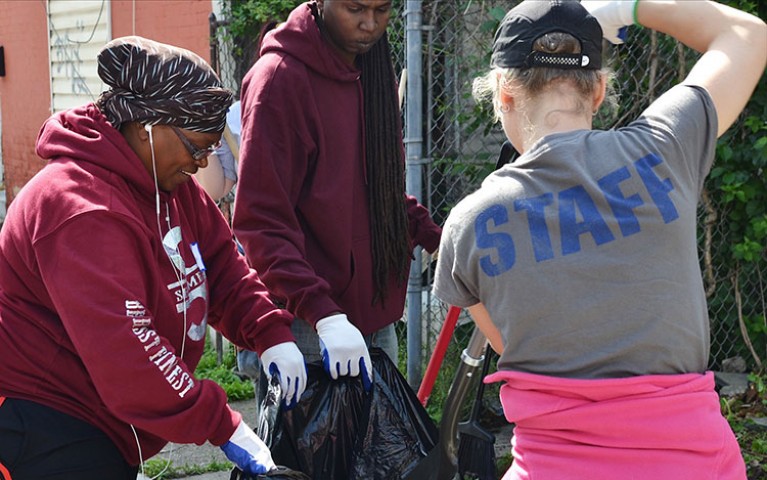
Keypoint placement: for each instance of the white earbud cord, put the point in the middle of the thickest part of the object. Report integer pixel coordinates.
(181, 282)
(180, 276)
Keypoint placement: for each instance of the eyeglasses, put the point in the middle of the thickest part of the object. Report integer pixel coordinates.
(196, 153)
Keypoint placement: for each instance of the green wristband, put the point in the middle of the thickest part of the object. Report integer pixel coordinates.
(636, 14)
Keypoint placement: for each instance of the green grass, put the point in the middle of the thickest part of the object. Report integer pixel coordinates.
(753, 444)
(163, 470)
(740, 412)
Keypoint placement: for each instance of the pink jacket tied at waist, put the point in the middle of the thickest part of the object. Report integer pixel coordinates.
(655, 427)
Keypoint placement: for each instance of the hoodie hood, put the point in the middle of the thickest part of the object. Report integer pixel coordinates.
(300, 37)
(88, 268)
(84, 135)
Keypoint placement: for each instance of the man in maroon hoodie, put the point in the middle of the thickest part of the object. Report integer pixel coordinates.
(113, 263)
(321, 208)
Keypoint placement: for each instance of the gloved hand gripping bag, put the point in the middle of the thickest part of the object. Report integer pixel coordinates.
(338, 431)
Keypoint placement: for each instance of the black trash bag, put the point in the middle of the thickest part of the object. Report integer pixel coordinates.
(279, 473)
(340, 432)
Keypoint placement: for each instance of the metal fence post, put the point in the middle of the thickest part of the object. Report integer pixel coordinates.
(218, 339)
(414, 160)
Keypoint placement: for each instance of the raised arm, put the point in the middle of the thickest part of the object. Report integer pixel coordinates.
(733, 43)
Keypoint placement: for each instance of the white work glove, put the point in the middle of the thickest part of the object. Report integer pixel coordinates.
(248, 452)
(343, 349)
(286, 361)
(614, 16)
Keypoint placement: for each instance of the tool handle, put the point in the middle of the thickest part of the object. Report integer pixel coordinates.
(481, 389)
(435, 362)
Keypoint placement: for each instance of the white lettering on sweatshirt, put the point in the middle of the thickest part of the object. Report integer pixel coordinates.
(166, 360)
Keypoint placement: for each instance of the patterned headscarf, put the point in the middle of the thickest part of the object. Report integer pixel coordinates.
(154, 83)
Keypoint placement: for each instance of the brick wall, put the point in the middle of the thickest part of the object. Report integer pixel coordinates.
(25, 90)
(179, 22)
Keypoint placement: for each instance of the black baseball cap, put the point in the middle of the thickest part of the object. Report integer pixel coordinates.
(531, 19)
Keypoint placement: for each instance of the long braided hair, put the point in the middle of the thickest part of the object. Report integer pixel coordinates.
(385, 165)
(390, 240)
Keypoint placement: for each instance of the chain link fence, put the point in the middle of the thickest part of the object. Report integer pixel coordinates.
(461, 145)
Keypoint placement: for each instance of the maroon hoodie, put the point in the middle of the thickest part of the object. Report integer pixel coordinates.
(103, 320)
(301, 208)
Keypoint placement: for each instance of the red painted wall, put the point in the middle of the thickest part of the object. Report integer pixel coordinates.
(183, 23)
(25, 96)
(25, 90)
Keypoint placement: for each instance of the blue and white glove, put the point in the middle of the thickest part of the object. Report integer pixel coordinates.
(287, 362)
(344, 351)
(248, 452)
(614, 16)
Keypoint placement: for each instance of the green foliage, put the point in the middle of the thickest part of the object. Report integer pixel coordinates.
(759, 383)
(447, 371)
(759, 445)
(753, 446)
(738, 181)
(741, 411)
(737, 188)
(241, 28)
(502, 463)
(235, 387)
(247, 16)
(446, 374)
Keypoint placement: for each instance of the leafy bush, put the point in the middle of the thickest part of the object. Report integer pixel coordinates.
(236, 387)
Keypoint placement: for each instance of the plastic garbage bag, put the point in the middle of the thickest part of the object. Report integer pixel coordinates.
(340, 432)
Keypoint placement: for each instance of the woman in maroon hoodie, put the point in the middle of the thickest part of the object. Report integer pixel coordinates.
(321, 208)
(113, 263)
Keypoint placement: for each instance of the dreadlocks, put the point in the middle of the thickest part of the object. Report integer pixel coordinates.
(390, 241)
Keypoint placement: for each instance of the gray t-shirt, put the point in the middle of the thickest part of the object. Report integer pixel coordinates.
(584, 250)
